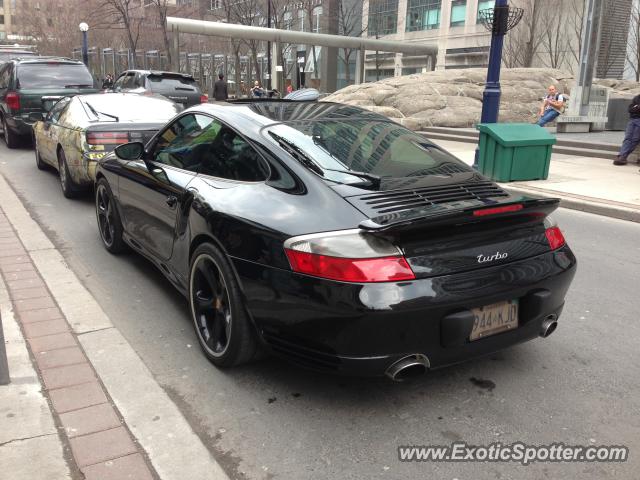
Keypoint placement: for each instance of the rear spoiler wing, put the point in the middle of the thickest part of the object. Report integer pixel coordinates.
(460, 213)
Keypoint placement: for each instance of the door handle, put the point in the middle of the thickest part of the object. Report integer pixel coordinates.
(172, 200)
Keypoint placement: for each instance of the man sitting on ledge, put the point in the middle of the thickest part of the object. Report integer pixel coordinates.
(551, 107)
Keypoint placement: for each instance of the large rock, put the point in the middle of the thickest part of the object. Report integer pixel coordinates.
(453, 98)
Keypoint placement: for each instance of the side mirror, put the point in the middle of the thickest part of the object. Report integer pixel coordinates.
(130, 151)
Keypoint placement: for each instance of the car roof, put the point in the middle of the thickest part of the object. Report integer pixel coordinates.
(159, 73)
(267, 112)
(40, 59)
(123, 96)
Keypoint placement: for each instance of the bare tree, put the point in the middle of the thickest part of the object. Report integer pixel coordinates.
(162, 9)
(575, 19)
(633, 49)
(555, 43)
(350, 25)
(522, 44)
(125, 15)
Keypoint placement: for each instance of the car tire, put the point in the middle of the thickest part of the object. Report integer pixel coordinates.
(224, 330)
(10, 138)
(69, 188)
(109, 223)
(39, 163)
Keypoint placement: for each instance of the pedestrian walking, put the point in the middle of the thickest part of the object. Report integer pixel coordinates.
(552, 106)
(220, 92)
(632, 134)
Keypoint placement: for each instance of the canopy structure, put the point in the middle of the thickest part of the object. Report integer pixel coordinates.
(276, 36)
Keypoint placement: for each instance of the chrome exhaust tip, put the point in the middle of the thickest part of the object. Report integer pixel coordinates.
(549, 326)
(408, 367)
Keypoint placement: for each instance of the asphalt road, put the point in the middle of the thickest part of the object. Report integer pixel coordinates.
(272, 420)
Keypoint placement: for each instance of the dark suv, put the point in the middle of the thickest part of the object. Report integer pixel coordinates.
(179, 87)
(30, 86)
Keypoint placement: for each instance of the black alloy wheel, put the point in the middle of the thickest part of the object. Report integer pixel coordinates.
(109, 223)
(220, 320)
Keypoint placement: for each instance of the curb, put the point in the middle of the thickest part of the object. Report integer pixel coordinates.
(607, 208)
(99, 440)
(58, 308)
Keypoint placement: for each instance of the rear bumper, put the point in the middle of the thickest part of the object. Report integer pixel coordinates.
(20, 125)
(83, 172)
(362, 329)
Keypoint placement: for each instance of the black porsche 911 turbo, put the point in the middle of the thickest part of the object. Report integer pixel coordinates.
(334, 237)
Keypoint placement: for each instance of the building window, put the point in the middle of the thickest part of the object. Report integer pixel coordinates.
(288, 20)
(423, 15)
(215, 4)
(458, 12)
(301, 18)
(383, 17)
(185, 3)
(1, 19)
(1, 3)
(317, 12)
(483, 5)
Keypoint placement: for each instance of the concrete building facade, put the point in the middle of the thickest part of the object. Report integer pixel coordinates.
(550, 29)
(7, 16)
(452, 25)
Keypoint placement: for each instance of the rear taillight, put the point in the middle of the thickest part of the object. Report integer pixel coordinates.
(554, 237)
(107, 138)
(350, 256)
(204, 98)
(553, 233)
(497, 210)
(13, 100)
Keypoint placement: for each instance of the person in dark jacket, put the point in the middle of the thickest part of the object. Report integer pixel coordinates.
(632, 135)
(107, 83)
(220, 89)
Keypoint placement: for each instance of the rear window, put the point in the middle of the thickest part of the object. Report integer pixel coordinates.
(381, 148)
(171, 84)
(57, 75)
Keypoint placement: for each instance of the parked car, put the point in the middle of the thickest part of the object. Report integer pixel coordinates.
(9, 52)
(29, 87)
(334, 237)
(181, 88)
(80, 130)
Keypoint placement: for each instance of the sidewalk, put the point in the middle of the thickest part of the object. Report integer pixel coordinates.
(588, 184)
(81, 403)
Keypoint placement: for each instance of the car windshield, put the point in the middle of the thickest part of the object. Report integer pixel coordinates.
(130, 107)
(160, 84)
(380, 148)
(53, 74)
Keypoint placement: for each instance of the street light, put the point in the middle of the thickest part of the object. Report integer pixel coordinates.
(84, 28)
(269, 46)
(498, 20)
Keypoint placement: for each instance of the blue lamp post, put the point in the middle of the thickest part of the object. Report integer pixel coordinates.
(84, 28)
(498, 20)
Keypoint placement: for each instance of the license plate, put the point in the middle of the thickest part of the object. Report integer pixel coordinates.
(493, 319)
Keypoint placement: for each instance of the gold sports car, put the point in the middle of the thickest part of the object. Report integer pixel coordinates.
(78, 131)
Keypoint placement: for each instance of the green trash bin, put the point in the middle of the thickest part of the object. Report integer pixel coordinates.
(514, 151)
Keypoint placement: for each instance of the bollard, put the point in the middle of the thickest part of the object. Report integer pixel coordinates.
(4, 365)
